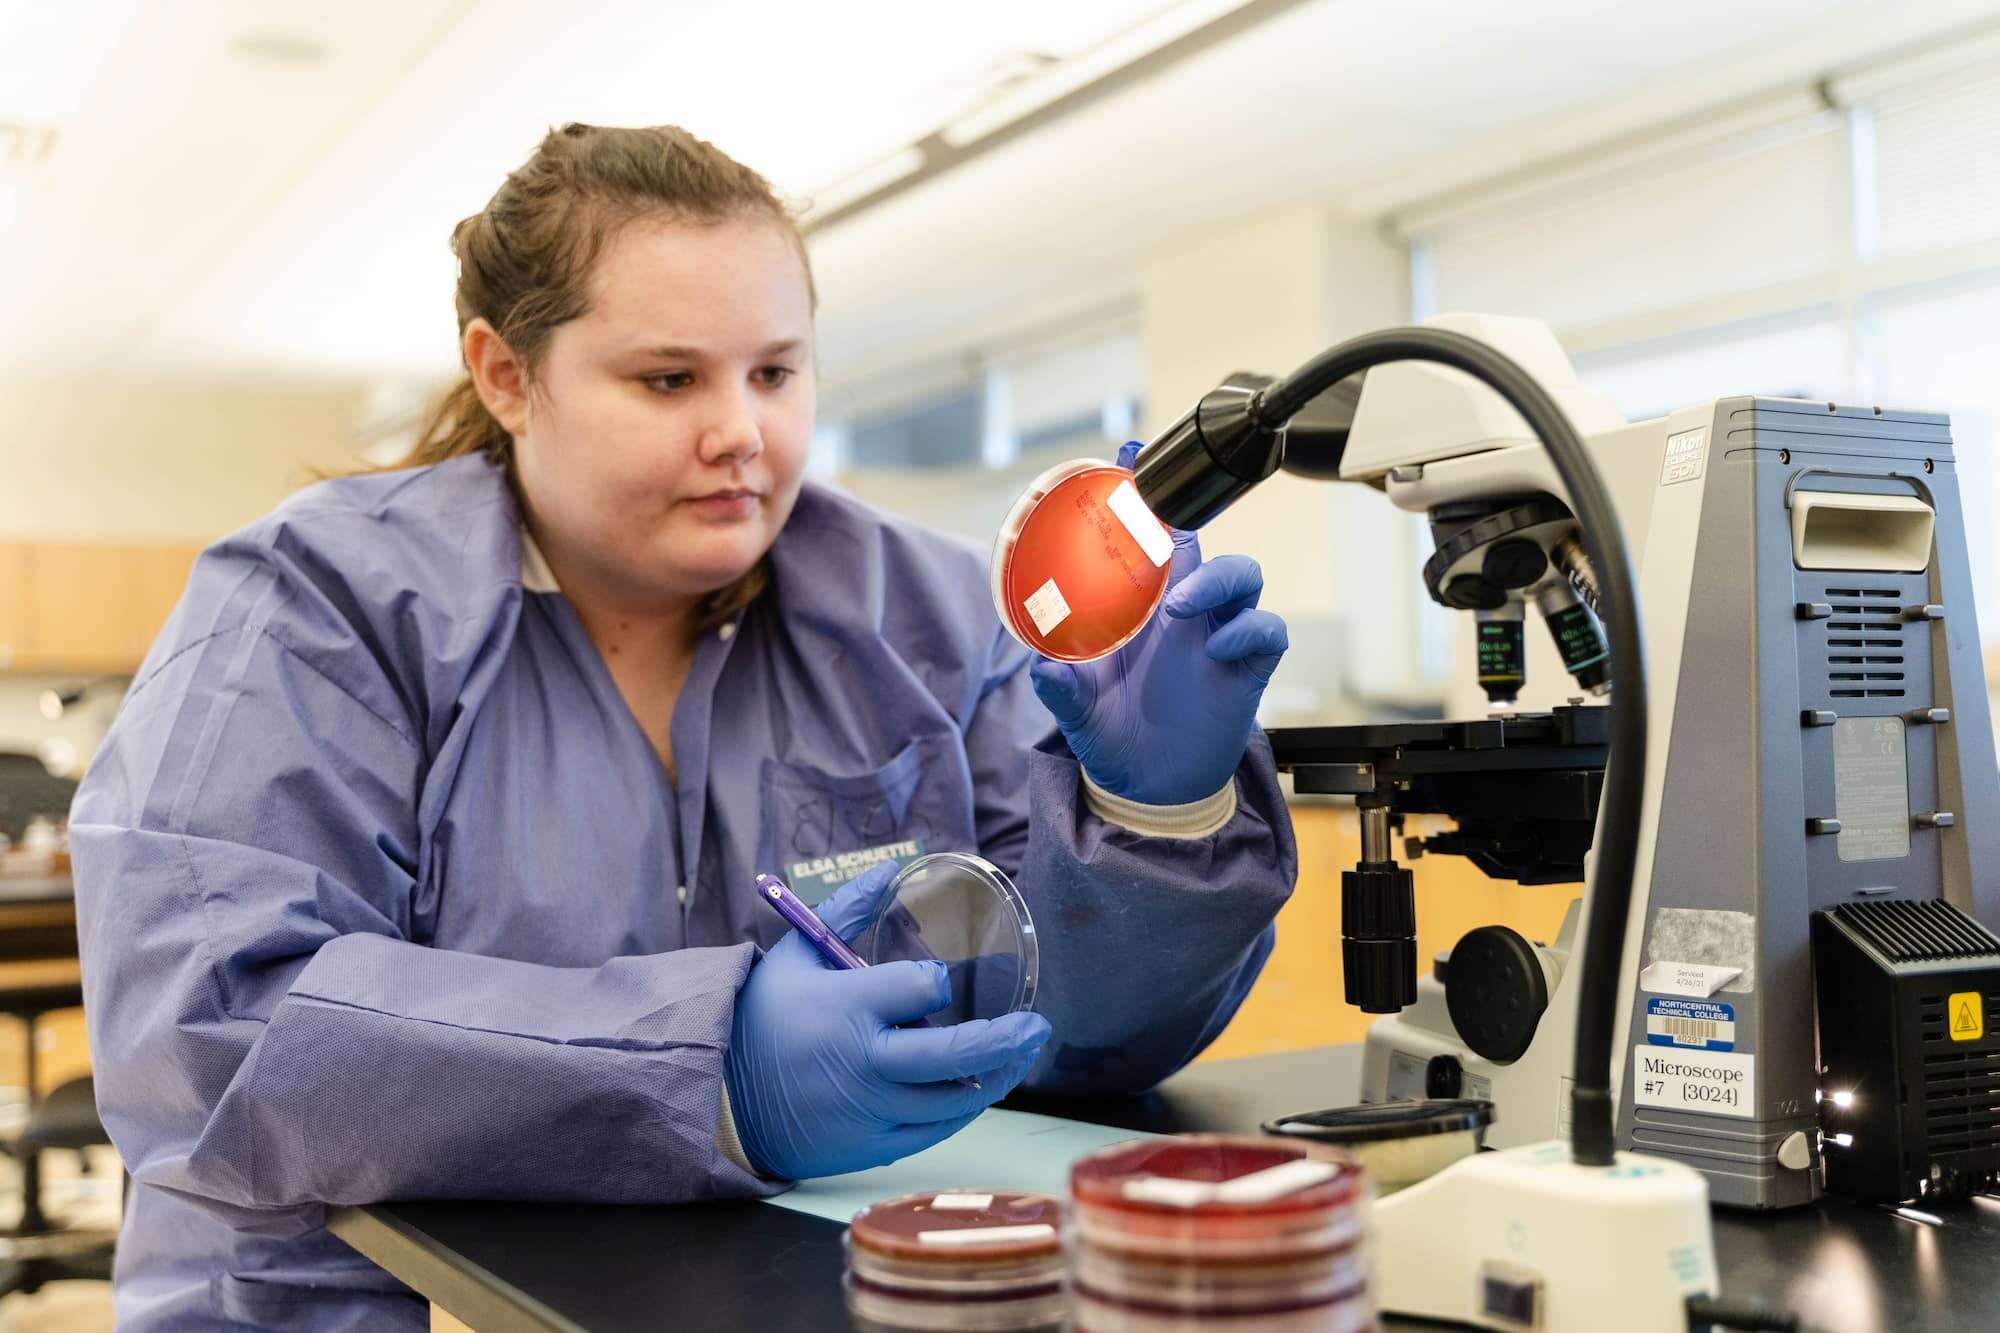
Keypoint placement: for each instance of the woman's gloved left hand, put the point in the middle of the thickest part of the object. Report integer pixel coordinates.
(1165, 719)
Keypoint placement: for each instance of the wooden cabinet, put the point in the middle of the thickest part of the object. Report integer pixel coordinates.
(14, 603)
(85, 606)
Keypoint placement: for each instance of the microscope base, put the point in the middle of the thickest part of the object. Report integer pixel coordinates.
(1527, 1239)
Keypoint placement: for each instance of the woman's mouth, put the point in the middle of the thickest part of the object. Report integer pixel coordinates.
(725, 505)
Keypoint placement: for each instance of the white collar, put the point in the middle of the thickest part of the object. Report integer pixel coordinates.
(535, 573)
(536, 576)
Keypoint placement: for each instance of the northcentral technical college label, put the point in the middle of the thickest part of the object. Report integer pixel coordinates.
(1718, 1082)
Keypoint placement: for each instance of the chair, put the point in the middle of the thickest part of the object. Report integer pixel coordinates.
(34, 1253)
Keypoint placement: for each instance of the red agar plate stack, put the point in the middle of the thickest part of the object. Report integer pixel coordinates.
(1081, 563)
(1217, 1232)
(962, 1259)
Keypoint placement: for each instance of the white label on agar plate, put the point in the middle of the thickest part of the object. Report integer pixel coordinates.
(1258, 1187)
(1277, 1181)
(1046, 607)
(986, 1235)
(1149, 532)
(974, 1202)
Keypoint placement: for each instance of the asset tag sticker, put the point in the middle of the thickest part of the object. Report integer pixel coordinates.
(1716, 1082)
(1700, 1025)
(1047, 607)
(1687, 455)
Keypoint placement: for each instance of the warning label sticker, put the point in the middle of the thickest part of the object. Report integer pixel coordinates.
(1965, 1015)
(1701, 1025)
(1718, 1082)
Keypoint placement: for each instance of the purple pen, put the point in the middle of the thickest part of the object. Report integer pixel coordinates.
(817, 933)
(806, 921)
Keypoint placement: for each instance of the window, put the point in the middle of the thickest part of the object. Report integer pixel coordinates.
(1653, 235)
(1936, 350)
(1850, 255)
(1792, 356)
(956, 458)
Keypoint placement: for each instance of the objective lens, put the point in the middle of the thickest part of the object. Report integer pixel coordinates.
(1502, 657)
(1579, 638)
(1081, 563)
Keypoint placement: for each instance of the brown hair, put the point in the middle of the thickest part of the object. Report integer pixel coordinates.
(524, 262)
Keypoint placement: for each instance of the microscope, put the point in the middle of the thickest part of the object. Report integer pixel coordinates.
(1782, 948)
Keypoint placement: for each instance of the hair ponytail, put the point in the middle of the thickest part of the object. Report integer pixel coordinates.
(458, 424)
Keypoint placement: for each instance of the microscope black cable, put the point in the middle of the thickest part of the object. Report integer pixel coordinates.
(1593, 1134)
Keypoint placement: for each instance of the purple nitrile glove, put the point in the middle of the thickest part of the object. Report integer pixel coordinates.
(1165, 719)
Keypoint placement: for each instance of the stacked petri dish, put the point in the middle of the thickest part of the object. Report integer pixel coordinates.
(1218, 1232)
(960, 1259)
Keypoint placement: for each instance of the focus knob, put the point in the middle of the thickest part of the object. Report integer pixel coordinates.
(1495, 992)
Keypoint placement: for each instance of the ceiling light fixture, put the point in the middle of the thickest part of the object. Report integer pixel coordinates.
(1023, 104)
(288, 50)
(1026, 94)
(864, 181)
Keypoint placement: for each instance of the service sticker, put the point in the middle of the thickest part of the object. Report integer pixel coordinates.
(1701, 1025)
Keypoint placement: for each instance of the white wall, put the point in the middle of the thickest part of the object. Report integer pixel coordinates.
(95, 458)
(1340, 563)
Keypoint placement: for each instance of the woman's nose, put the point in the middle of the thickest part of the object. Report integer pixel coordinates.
(731, 433)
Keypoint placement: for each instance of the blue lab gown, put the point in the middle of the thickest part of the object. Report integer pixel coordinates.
(380, 885)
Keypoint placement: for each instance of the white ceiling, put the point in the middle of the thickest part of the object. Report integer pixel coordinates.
(211, 213)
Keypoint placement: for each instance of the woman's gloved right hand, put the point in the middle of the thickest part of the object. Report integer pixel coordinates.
(821, 1079)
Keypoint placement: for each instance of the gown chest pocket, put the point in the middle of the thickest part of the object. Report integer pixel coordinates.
(821, 829)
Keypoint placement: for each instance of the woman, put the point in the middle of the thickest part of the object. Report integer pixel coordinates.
(419, 862)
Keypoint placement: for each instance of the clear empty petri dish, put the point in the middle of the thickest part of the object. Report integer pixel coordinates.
(1080, 564)
(964, 911)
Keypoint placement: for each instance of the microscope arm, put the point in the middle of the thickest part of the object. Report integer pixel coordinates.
(1235, 437)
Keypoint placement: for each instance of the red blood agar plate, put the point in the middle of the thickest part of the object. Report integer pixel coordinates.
(1081, 563)
(962, 1226)
(958, 1259)
(1216, 1195)
(1215, 1230)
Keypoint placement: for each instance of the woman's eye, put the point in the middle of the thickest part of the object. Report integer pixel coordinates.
(773, 377)
(668, 381)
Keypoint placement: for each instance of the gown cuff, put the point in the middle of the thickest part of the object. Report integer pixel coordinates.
(728, 1144)
(1196, 819)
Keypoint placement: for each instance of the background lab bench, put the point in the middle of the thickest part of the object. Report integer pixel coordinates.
(606, 1268)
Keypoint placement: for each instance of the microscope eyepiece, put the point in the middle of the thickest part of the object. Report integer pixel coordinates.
(1204, 462)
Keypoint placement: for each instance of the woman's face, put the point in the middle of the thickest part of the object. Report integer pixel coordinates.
(662, 445)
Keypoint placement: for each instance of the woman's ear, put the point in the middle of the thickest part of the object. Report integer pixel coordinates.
(497, 375)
